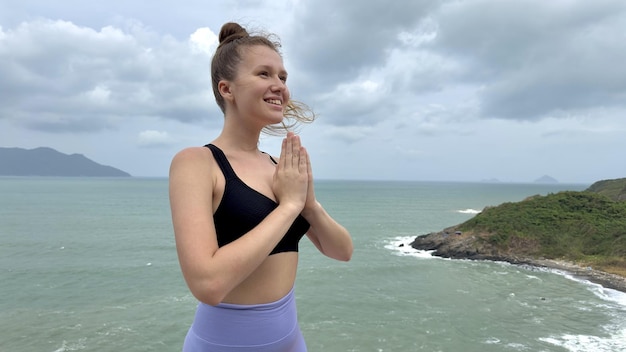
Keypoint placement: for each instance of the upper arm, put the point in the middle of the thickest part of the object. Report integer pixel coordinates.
(191, 186)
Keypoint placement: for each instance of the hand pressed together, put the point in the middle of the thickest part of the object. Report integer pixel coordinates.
(291, 179)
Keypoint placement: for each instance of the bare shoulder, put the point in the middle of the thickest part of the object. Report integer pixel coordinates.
(191, 156)
(193, 166)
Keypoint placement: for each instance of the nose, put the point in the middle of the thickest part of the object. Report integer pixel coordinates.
(278, 85)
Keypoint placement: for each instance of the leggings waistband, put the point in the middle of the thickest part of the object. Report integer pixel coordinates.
(282, 302)
(257, 327)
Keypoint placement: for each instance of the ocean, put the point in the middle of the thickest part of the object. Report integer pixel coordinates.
(89, 264)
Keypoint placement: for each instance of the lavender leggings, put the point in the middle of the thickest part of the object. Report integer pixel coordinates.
(259, 327)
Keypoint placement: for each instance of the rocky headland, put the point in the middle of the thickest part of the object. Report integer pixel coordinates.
(447, 244)
(582, 233)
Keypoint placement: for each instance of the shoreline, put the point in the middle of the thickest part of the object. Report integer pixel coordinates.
(607, 280)
(465, 246)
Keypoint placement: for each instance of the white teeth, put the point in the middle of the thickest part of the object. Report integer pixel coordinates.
(274, 101)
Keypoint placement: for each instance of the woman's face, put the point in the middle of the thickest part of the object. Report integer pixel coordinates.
(259, 90)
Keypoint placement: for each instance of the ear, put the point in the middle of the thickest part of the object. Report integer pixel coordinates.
(224, 88)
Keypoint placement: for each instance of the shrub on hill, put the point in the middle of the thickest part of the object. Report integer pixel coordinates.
(585, 227)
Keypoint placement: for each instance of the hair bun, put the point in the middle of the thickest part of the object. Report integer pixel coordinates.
(231, 31)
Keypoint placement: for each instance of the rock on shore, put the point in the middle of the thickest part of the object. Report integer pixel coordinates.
(452, 243)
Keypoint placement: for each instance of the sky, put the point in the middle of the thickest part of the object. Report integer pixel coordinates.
(464, 90)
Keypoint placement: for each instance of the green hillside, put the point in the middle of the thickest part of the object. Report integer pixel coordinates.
(586, 227)
(614, 189)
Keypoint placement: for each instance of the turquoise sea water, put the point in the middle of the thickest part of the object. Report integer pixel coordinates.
(90, 265)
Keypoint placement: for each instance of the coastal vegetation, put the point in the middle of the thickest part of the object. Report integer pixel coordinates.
(587, 228)
(614, 189)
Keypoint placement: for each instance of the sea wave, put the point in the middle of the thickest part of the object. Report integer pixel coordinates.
(469, 211)
(616, 339)
(583, 343)
(605, 293)
(72, 346)
(401, 245)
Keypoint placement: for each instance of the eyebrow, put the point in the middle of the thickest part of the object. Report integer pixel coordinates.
(270, 68)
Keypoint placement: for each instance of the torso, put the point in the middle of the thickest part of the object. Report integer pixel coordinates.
(275, 277)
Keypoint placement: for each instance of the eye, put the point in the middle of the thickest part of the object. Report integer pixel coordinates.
(264, 74)
(283, 78)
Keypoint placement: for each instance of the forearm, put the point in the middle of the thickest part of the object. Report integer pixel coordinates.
(233, 263)
(332, 239)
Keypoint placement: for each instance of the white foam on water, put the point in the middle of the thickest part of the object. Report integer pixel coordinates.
(517, 346)
(492, 341)
(401, 246)
(585, 343)
(76, 346)
(600, 291)
(469, 211)
(616, 339)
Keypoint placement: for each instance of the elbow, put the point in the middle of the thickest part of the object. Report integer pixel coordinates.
(342, 252)
(349, 249)
(347, 255)
(211, 293)
(212, 300)
(344, 255)
(345, 258)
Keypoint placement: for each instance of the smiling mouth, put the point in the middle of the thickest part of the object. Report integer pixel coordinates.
(274, 102)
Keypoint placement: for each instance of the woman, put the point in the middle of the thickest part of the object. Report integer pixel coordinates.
(239, 214)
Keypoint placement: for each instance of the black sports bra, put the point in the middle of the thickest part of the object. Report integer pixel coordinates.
(242, 208)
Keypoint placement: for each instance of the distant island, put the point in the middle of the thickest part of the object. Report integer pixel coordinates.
(546, 179)
(543, 179)
(583, 233)
(45, 161)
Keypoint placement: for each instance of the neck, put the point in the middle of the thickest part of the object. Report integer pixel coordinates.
(239, 137)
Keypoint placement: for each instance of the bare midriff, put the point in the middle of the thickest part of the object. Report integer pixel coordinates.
(270, 282)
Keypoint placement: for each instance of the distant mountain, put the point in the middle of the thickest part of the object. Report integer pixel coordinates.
(45, 161)
(546, 179)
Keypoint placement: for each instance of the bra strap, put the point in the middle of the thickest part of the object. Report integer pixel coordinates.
(271, 158)
(222, 161)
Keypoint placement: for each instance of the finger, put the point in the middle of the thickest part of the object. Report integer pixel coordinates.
(283, 151)
(304, 161)
(289, 151)
(296, 150)
(296, 142)
(309, 169)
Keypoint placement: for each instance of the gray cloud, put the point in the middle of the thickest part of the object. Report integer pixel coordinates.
(55, 71)
(439, 81)
(355, 64)
(153, 138)
(537, 58)
(162, 16)
(338, 40)
(524, 60)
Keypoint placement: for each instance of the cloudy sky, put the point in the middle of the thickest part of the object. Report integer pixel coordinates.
(464, 90)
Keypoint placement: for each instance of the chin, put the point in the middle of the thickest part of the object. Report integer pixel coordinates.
(275, 121)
